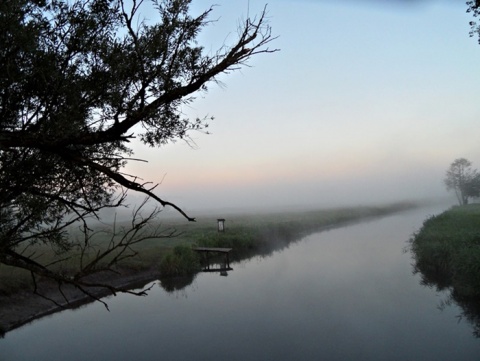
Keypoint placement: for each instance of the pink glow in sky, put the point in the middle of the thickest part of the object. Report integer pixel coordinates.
(365, 102)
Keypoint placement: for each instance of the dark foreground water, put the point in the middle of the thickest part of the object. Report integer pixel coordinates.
(345, 294)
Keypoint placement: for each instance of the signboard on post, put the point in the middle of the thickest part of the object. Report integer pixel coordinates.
(221, 224)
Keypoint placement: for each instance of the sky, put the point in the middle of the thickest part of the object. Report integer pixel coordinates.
(366, 102)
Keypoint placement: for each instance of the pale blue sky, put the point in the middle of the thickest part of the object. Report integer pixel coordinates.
(367, 101)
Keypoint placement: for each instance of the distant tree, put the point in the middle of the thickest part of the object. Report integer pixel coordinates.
(79, 79)
(464, 180)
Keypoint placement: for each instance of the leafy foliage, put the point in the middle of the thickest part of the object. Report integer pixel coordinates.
(474, 9)
(78, 80)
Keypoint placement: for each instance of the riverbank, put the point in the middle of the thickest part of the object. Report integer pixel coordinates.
(446, 251)
(25, 306)
(247, 234)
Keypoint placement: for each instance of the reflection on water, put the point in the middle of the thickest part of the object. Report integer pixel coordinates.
(469, 306)
(470, 309)
(346, 294)
(172, 284)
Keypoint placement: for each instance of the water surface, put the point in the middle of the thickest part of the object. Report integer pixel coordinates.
(345, 294)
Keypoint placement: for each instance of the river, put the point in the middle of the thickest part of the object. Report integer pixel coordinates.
(343, 294)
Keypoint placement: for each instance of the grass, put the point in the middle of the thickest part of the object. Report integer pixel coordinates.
(446, 250)
(254, 231)
(182, 261)
(248, 235)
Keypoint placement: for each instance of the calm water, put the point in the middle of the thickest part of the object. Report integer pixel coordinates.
(346, 294)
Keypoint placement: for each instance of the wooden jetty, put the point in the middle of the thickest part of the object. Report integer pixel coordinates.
(209, 250)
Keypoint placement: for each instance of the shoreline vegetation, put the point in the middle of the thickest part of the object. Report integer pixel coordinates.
(446, 254)
(173, 262)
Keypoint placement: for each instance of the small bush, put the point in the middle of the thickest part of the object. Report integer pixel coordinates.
(181, 262)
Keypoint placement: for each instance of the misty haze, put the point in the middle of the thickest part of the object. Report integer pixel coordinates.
(295, 181)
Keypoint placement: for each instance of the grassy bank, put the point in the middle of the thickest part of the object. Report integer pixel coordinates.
(248, 235)
(253, 235)
(447, 251)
